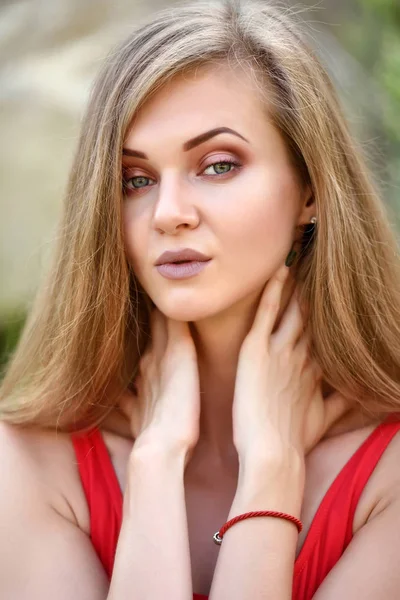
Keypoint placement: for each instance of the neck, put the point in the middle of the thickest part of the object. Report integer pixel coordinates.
(218, 340)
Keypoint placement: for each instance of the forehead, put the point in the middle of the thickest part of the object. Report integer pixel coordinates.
(200, 100)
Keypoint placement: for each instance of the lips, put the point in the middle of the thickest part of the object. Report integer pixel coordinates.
(181, 256)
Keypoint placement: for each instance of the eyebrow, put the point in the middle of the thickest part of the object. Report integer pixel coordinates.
(192, 143)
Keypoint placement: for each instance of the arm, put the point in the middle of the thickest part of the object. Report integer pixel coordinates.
(153, 559)
(369, 568)
(45, 555)
(257, 555)
(42, 554)
(278, 413)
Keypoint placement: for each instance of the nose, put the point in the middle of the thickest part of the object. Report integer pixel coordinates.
(175, 209)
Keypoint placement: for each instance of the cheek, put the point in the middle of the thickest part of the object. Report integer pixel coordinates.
(258, 227)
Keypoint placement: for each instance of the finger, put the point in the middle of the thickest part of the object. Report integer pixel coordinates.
(291, 325)
(270, 302)
(336, 405)
(317, 370)
(303, 343)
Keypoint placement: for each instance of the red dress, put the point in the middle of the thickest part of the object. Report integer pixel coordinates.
(329, 534)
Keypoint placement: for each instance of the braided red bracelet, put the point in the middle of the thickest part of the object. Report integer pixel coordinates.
(217, 537)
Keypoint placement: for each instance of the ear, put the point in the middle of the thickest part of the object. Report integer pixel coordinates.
(307, 207)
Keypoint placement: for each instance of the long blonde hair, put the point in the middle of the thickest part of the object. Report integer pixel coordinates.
(82, 341)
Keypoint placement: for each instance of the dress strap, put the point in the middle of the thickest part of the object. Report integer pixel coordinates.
(363, 463)
(102, 491)
(331, 530)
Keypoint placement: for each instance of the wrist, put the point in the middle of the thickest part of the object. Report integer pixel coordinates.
(155, 468)
(154, 451)
(275, 460)
(263, 459)
(270, 482)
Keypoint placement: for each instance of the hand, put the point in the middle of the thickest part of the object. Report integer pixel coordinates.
(278, 404)
(165, 409)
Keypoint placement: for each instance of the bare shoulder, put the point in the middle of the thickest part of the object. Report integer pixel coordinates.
(44, 552)
(47, 462)
(369, 566)
(327, 460)
(383, 487)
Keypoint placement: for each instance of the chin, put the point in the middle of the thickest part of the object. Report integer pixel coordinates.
(190, 305)
(186, 312)
(199, 306)
(193, 304)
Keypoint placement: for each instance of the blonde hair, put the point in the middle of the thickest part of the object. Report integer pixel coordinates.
(83, 339)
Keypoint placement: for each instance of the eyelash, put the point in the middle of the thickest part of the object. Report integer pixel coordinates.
(229, 161)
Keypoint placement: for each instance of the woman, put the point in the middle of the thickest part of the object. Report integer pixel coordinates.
(219, 335)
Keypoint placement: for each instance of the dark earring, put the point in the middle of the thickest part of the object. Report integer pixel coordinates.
(292, 254)
(290, 257)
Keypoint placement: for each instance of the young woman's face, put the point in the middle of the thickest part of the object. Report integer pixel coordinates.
(205, 169)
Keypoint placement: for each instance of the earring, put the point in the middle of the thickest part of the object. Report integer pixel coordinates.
(292, 254)
(290, 257)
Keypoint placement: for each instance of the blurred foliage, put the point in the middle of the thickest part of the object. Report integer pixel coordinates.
(10, 330)
(372, 36)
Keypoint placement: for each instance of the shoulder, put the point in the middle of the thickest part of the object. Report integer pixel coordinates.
(43, 463)
(326, 461)
(382, 490)
(377, 468)
(369, 566)
(44, 551)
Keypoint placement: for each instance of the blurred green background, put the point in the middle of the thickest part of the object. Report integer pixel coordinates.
(49, 54)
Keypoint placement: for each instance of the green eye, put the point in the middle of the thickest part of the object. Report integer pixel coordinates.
(139, 181)
(221, 167)
(133, 184)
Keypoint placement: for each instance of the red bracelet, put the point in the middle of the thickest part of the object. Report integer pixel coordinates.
(217, 537)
